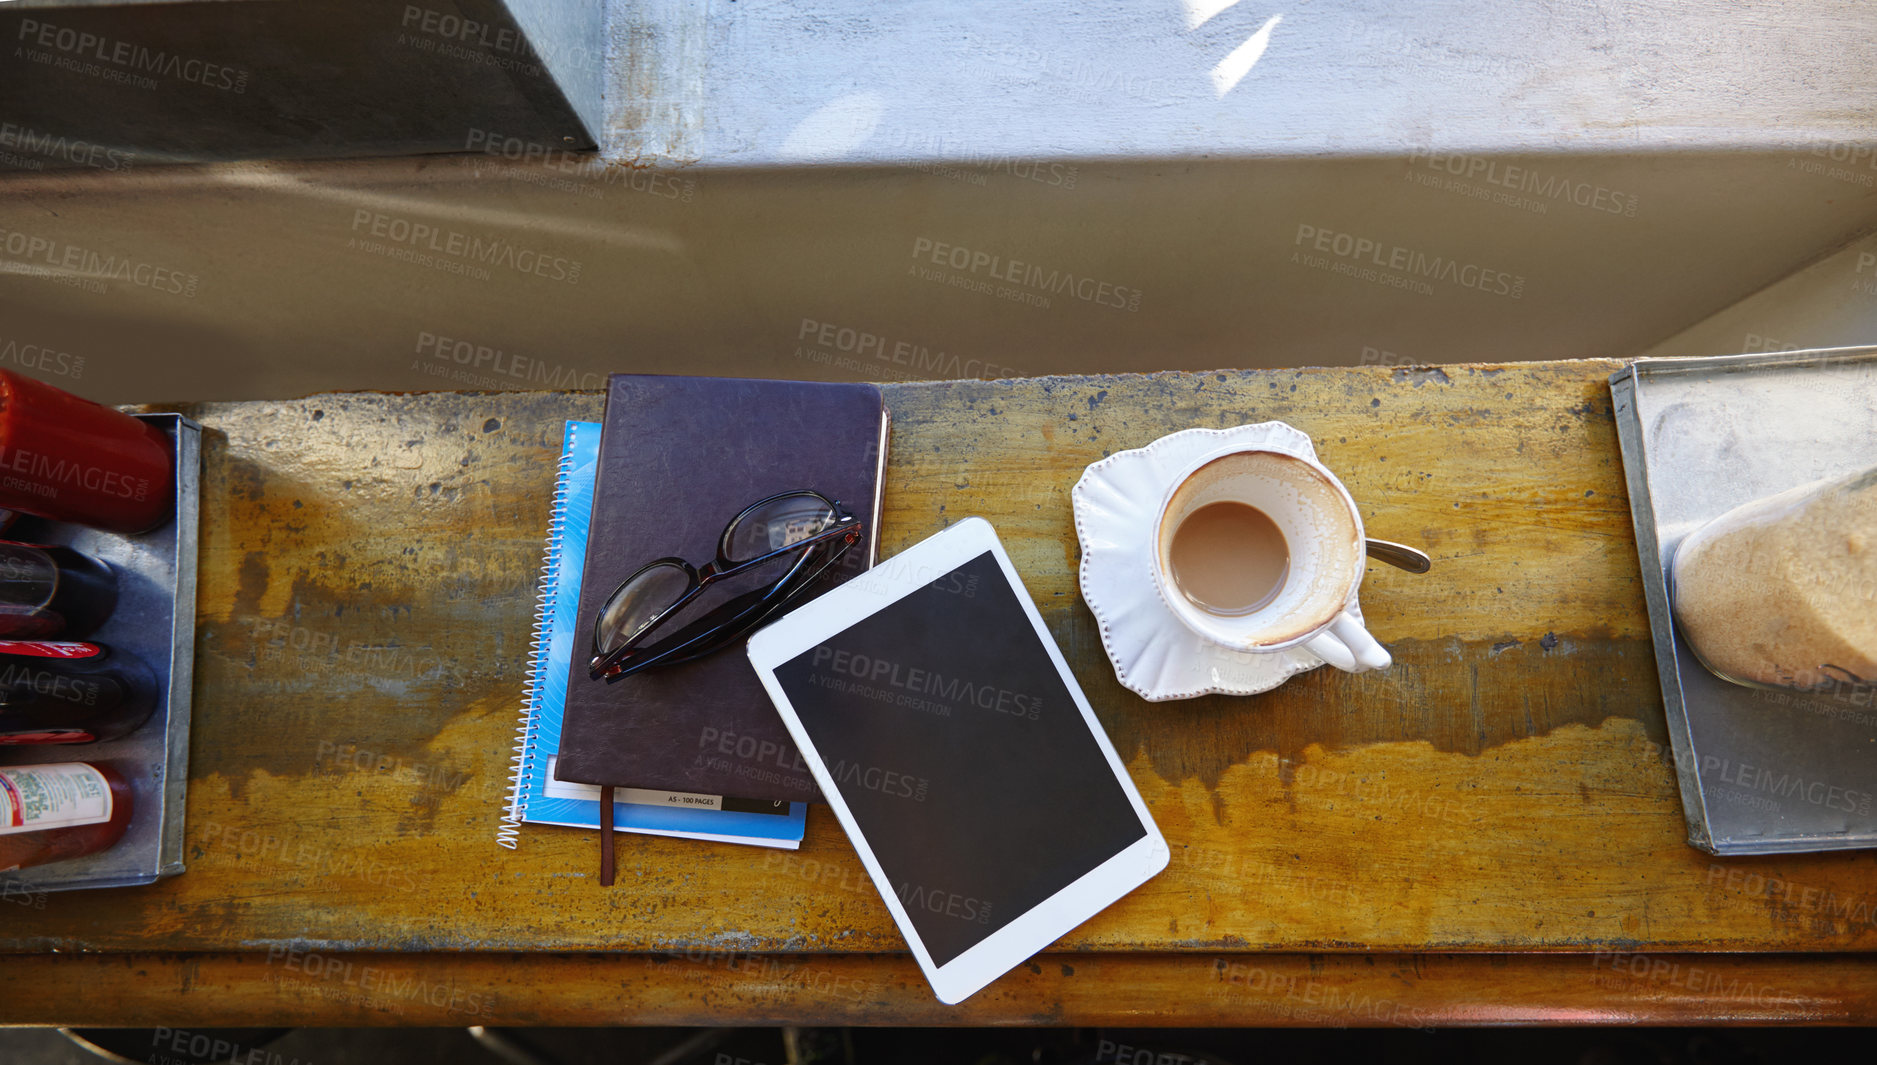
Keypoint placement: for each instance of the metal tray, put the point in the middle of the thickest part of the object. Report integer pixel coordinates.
(1761, 771)
(156, 621)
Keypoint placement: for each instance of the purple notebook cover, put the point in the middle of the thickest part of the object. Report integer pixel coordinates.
(679, 457)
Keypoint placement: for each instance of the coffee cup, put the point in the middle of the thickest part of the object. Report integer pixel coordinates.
(1259, 550)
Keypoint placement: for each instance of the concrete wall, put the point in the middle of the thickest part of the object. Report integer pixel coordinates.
(847, 190)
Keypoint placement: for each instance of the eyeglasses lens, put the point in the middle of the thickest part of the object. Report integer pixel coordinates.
(776, 525)
(637, 603)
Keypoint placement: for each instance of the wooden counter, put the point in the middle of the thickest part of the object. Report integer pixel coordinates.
(367, 586)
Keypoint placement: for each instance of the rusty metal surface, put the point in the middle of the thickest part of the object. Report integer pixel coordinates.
(367, 576)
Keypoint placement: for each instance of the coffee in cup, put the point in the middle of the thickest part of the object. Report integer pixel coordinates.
(1229, 558)
(1261, 550)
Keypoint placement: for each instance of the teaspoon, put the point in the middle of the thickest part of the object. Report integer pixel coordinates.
(1399, 555)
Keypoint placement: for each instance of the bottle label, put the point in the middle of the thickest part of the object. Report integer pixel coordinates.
(47, 735)
(50, 649)
(34, 798)
(20, 682)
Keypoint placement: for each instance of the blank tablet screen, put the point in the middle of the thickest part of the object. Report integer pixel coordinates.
(962, 756)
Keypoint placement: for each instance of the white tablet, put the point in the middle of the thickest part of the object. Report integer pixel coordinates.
(960, 755)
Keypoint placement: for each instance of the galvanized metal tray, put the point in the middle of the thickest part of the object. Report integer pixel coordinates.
(1761, 771)
(156, 621)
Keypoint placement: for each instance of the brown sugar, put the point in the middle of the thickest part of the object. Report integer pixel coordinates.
(1783, 590)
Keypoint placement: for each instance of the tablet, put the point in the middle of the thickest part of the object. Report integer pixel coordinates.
(958, 752)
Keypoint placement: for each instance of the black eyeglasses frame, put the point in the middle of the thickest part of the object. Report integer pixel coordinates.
(727, 621)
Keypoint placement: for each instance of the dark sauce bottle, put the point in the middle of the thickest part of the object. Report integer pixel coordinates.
(71, 693)
(48, 590)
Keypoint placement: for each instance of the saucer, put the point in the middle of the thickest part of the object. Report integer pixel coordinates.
(1154, 654)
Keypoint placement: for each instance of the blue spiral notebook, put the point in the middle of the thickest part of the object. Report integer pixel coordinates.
(535, 797)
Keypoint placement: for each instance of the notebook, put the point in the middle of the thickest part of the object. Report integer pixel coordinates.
(679, 457)
(535, 797)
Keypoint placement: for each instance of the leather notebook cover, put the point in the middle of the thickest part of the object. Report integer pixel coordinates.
(680, 457)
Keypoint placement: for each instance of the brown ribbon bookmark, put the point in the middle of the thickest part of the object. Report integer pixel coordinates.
(606, 835)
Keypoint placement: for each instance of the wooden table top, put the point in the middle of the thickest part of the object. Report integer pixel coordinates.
(367, 584)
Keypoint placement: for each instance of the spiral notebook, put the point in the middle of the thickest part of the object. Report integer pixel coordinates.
(535, 797)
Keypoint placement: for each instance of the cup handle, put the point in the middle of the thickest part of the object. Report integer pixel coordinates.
(1349, 647)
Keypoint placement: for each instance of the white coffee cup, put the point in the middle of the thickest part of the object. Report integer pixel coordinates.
(1323, 531)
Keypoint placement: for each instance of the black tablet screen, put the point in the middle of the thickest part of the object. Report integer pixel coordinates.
(958, 748)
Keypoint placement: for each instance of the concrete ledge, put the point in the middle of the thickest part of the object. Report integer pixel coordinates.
(791, 82)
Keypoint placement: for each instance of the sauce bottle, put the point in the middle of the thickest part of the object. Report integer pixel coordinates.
(48, 590)
(49, 813)
(71, 692)
(69, 459)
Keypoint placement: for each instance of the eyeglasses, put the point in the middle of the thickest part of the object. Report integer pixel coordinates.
(798, 534)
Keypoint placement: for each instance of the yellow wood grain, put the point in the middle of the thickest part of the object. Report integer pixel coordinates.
(367, 585)
(314, 987)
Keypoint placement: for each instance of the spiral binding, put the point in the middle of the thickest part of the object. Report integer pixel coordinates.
(508, 835)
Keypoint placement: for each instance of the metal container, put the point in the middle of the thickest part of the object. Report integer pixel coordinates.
(1761, 771)
(155, 620)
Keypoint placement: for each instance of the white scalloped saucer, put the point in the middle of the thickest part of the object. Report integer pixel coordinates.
(1154, 654)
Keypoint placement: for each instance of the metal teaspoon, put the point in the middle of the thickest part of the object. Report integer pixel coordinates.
(1400, 555)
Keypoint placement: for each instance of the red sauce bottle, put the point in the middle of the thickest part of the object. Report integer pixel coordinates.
(69, 459)
(49, 813)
